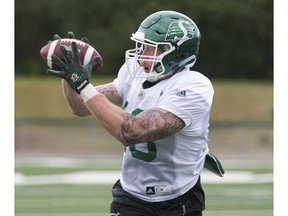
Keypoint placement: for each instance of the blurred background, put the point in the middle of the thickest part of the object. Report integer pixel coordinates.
(237, 36)
(236, 53)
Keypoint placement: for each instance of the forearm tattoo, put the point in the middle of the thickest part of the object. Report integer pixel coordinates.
(151, 125)
(111, 93)
(106, 89)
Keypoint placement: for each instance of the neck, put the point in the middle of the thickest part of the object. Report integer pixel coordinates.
(147, 84)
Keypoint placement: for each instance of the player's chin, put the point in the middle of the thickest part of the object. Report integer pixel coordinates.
(147, 70)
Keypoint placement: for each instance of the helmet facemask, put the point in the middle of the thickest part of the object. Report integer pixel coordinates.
(135, 57)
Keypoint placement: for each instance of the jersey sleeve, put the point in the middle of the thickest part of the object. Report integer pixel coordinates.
(190, 103)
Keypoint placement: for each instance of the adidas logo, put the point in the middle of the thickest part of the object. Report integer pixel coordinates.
(181, 94)
(150, 190)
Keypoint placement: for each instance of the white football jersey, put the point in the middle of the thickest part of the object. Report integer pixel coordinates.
(167, 168)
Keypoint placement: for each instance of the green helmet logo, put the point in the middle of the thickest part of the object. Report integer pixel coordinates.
(179, 30)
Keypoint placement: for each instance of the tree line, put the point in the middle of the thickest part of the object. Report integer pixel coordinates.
(236, 36)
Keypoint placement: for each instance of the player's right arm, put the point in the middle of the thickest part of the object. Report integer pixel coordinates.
(76, 103)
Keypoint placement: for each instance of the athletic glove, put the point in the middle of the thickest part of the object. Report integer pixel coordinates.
(77, 75)
(70, 35)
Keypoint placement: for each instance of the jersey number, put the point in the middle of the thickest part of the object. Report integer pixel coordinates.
(151, 146)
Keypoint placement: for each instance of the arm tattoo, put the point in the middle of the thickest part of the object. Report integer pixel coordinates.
(151, 125)
(111, 93)
(106, 89)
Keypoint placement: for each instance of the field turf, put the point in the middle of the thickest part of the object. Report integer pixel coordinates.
(87, 199)
(42, 99)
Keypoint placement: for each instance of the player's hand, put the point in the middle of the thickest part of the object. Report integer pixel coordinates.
(77, 75)
(70, 35)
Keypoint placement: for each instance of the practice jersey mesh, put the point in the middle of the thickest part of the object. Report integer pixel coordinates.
(167, 168)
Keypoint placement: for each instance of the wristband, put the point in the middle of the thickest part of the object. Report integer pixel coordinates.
(88, 92)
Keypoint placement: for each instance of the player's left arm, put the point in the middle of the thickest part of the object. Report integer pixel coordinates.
(150, 125)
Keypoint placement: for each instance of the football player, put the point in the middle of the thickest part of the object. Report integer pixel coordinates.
(158, 107)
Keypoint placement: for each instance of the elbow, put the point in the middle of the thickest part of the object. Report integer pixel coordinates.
(129, 132)
(128, 139)
(126, 143)
(80, 113)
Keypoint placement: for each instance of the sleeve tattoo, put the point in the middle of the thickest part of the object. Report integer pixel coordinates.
(150, 125)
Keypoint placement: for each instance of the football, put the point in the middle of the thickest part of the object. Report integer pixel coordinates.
(86, 52)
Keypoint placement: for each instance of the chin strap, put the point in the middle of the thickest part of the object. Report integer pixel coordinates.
(167, 76)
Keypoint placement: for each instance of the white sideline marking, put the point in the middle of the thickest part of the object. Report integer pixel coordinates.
(86, 177)
(110, 177)
(78, 162)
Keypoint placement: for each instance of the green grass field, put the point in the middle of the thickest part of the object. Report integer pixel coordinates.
(81, 199)
(42, 99)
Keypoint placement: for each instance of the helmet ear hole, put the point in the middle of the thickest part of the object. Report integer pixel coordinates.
(179, 57)
(159, 69)
(165, 48)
